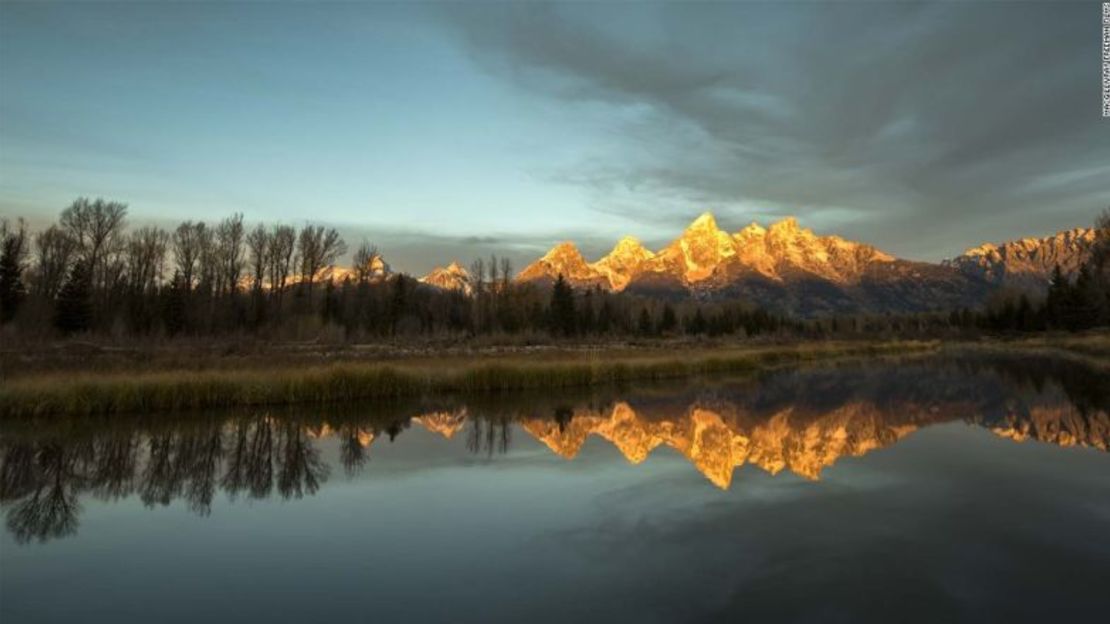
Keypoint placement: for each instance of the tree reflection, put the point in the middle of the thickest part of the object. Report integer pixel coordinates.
(41, 479)
(301, 470)
(489, 435)
(43, 474)
(352, 449)
(49, 506)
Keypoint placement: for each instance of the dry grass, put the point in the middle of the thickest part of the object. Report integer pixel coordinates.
(83, 394)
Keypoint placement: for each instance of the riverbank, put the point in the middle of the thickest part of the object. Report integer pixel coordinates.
(208, 382)
(92, 393)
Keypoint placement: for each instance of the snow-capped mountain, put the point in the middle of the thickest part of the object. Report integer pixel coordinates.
(783, 266)
(563, 259)
(1027, 263)
(451, 277)
(705, 251)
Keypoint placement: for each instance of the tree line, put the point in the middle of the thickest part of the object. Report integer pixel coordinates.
(87, 273)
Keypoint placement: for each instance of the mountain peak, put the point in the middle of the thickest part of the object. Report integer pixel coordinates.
(451, 277)
(784, 226)
(622, 262)
(752, 229)
(565, 249)
(630, 245)
(564, 259)
(1027, 263)
(705, 222)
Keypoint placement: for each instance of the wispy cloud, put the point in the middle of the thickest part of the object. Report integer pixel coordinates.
(893, 121)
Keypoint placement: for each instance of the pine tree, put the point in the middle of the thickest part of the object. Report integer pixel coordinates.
(1057, 299)
(1088, 300)
(12, 289)
(669, 321)
(563, 318)
(605, 317)
(697, 324)
(174, 305)
(73, 312)
(644, 325)
(398, 302)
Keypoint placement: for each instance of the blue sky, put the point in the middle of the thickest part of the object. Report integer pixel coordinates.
(452, 131)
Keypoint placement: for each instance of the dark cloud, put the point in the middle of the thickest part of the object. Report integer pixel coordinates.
(417, 252)
(923, 128)
(480, 240)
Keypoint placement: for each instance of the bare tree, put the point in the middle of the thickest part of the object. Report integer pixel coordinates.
(318, 248)
(208, 261)
(229, 251)
(366, 256)
(478, 282)
(258, 252)
(97, 227)
(282, 242)
(54, 251)
(146, 256)
(506, 273)
(1100, 251)
(187, 243)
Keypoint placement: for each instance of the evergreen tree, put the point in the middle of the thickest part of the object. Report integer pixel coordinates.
(331, 302)
(398, 302)
(605, 317)
(1057, 299)
(12, 289)
(697, 324)
(669, 322)
(73, 312)
(563, 318)
(1088, 300)
(174, 305)
(586, 319)
(644, 325)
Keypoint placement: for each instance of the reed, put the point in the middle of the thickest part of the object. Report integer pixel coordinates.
(92, 394)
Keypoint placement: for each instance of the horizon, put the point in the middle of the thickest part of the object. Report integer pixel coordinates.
(951, 132)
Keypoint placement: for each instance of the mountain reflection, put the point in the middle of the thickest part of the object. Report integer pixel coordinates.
(799, 421)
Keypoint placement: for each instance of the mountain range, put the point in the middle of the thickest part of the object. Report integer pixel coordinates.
(788, 268)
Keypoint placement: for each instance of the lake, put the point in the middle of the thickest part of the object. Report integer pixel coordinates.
(932, 489)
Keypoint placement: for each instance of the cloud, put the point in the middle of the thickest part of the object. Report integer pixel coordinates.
(918, 127)
(417, 252)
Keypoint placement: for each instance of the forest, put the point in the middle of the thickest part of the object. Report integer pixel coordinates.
(90, 275)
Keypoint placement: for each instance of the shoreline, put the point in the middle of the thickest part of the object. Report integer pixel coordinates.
(99, 394)
(69, 393)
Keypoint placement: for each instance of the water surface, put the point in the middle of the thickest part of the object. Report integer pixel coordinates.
(921, 489)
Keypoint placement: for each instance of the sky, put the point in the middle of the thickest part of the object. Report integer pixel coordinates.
(452, 131)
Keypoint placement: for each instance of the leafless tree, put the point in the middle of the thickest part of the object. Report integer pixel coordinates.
(478, 274)
(229, 251)
(258, 252)
(145, 258)
(54, 251)
(97, 227)
(187, 243)
(1100, 253)
(366, 256)
(506, 273)
(282, 243)
(208, 261)
(318, 248)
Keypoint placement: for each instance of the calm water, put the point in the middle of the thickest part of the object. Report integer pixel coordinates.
(913, 490)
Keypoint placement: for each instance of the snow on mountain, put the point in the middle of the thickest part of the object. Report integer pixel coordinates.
(704, 251)
(451, 277)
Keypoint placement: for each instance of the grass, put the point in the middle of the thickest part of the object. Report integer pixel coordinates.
(90, 394)
(1090, 348)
